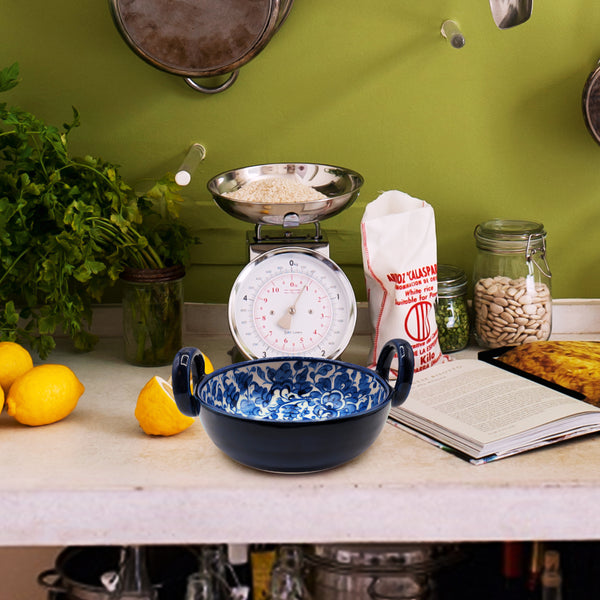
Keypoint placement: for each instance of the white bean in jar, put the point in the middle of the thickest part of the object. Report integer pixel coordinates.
(511, 283)
(510, 312)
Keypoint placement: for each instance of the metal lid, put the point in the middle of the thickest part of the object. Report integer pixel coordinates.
(381, 556)
(507, 235)
(452, 281)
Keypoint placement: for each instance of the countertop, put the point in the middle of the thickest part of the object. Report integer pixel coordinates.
(96, 478)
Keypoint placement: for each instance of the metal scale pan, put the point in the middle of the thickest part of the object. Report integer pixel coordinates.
(340, 186)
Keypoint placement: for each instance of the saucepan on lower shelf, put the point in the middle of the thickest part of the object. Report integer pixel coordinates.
(292, 414)
(80, 571)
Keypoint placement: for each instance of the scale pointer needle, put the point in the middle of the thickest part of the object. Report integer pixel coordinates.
(286, 320)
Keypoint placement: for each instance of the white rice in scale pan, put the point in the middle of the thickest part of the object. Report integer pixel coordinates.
(275, 190)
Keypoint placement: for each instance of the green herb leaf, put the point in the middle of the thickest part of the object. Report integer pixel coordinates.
(68, 228)
(9, 77)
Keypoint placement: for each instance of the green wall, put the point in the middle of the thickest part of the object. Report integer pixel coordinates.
(494, 129)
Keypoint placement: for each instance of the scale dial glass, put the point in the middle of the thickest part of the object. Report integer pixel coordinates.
(292, 301)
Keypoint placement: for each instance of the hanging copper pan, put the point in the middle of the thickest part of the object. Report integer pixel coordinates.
(591, 103)
(199, 38)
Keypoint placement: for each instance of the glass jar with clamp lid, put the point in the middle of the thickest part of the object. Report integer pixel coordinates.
(511, 283)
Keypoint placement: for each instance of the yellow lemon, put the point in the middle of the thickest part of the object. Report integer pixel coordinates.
(44, 395)
(1, 398)
(14, 361)
(208, 366)
(156, 410)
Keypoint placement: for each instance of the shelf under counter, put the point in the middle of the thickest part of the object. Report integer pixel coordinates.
(96, 478)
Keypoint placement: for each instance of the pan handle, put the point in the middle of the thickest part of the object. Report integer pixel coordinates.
(188, 369)
(213, 90)
(406, 367)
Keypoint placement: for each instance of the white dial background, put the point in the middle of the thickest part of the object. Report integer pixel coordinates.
(292, 302)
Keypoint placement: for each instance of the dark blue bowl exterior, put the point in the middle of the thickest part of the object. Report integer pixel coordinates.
(293, 447)
(292, 415)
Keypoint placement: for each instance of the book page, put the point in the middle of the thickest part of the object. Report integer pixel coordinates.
(483, 403)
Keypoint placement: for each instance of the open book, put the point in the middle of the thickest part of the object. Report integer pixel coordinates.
(483, 413)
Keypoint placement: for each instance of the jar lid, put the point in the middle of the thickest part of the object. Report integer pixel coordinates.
(383, 556)
(153, 275)
(509, 235)
(452, 281)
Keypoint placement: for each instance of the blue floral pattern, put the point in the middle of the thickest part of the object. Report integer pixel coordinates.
(293, 390)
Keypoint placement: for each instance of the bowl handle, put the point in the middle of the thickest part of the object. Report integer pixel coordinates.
(406, 367)
(187, 372)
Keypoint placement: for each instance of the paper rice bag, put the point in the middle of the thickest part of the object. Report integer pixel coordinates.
(399, 252)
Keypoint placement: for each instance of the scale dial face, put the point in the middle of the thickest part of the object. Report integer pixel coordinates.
(292, 301)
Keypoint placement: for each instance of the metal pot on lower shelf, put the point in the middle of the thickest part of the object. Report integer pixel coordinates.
(78, 571)
(376, 571)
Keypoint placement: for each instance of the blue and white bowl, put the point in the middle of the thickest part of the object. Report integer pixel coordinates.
(292, 414)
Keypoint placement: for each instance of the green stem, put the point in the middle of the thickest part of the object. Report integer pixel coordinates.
(150, 259)
(146, 258)
(74, 163)
(41, 156)
(13, 264)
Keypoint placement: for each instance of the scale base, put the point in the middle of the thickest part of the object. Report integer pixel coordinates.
(258, 243)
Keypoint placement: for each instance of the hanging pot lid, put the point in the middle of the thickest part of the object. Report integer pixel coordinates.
(198, 38)
(591, 103)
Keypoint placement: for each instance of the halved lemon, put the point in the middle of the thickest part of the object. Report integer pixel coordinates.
(156, 410)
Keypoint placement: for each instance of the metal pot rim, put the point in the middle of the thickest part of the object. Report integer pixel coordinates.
(276, 13)
(590, 103)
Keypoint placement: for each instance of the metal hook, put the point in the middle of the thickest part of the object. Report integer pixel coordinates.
(194, 157)
(451, 31)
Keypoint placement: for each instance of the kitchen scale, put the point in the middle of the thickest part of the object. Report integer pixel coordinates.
(291, 299)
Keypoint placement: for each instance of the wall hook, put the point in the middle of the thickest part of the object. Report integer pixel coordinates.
(451, 31)
(194, 157)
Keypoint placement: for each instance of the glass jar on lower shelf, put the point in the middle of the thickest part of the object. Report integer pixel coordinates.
(451, 309)
(511, 284)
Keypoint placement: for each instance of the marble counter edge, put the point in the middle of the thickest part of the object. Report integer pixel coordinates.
(391, 515)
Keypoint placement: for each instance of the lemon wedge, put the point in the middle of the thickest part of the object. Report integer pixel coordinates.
(156, 410)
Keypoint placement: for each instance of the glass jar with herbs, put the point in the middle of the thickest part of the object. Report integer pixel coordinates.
(152, 314)
(451, 310)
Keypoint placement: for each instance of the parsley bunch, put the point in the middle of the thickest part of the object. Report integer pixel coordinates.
(68, 228)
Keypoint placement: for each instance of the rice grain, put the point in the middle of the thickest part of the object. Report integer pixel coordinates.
(275, 190)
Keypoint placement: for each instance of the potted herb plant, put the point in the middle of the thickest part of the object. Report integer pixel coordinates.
(71, 227)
